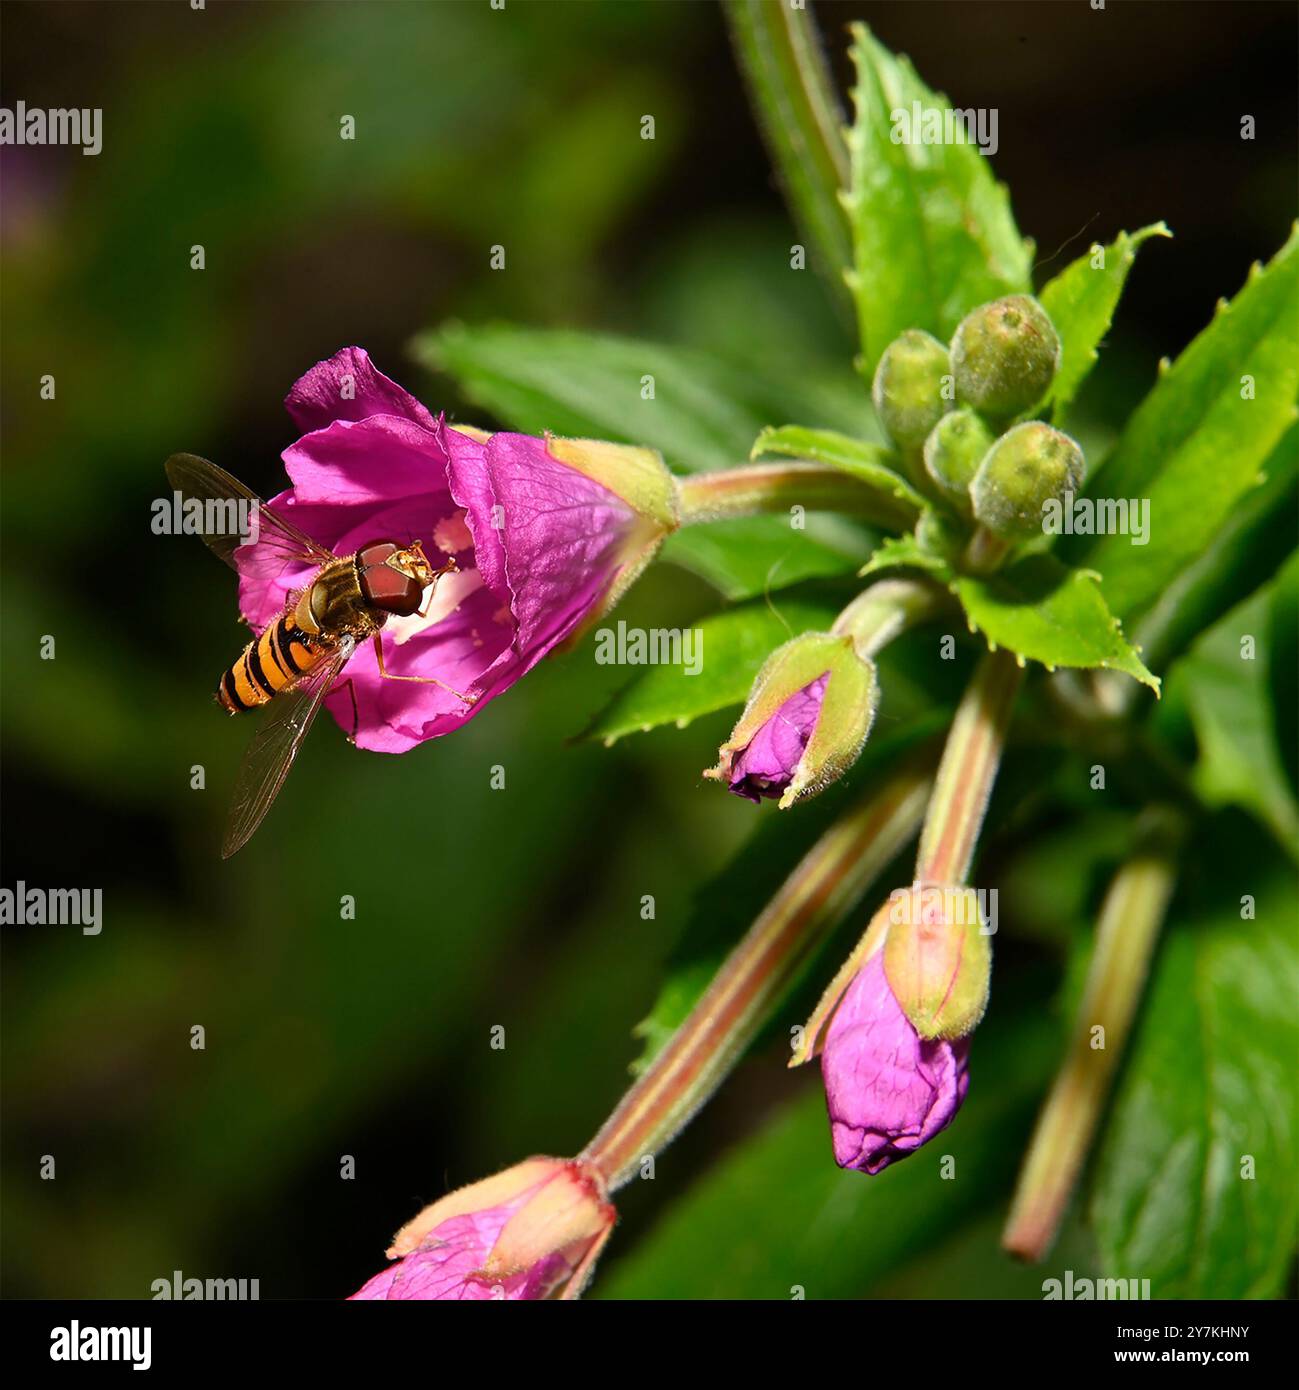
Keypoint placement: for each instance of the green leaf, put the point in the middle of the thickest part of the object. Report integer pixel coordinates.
(793, 95)
(903, 552)
(1040, 610)
(704, 413)
(1224, 683)
(775, 1213)
(732, 646)
(871, 464)
(1251, 546)
(1283, 661)
(1081, 301)
(1194, 447)
(1211, 1081)
(933, 234)
(759, 554)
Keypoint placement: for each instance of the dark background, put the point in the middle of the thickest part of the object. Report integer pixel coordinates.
(369, 1037)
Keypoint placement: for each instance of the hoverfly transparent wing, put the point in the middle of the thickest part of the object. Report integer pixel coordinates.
(226, 522)
(275, 745)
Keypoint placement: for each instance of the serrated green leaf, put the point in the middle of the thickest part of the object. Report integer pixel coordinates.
(1081, 301)
(1044, 612)
(704, 412)
(903, 552)
(1251, 546)
(1195, 446)
(871, 464)
(1224, 684)
(1210, 1083)
(775, 1215)
(793, 95)
(760, 554)
(731, 646)
(933, 234)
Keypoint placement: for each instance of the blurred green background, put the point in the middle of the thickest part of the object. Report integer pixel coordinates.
(370, 1038)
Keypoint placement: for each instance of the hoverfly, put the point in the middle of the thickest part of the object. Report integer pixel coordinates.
(298, 659)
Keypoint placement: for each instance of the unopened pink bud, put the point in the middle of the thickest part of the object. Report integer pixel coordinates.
(888, 1090)
(531, 1232)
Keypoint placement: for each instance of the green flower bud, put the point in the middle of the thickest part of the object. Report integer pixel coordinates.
(1025, 469)
(938, 958)
(953, 451)
(805, 722)
(1004, 356)
(908, 387)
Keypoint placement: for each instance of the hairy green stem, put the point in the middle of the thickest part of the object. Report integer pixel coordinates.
(886, 610)
(711, 1040)
(967, 771)
(757, 488)
(1130, 921)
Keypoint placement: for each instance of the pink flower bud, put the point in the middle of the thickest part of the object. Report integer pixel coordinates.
(887, 1089)
(807, 717)
(531, 1232)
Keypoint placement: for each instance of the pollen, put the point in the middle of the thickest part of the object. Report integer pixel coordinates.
(451, 535)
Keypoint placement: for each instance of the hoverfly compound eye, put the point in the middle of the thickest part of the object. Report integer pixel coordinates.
(392, 579)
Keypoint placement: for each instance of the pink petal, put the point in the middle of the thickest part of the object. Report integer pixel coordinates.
(767, 765)
(348, 386)
(562, 534)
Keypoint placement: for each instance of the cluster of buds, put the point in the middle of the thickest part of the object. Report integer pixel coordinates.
(951, 412)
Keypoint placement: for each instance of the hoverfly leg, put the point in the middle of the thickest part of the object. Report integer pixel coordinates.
(422, 680)
(356, 713)
(449, 568)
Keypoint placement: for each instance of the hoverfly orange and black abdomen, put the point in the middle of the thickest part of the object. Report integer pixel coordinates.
(294, 664)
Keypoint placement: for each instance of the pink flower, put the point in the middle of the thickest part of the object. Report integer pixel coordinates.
(888, 1090)
(545, 533)
(531, 1232)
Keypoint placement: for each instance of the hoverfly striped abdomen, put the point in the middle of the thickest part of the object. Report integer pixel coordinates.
(268, 664)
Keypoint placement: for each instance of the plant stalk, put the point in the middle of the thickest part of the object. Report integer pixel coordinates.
(758, 488)
(1130, 921)
(887, 609)
(967, 771)
(713, 1037)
